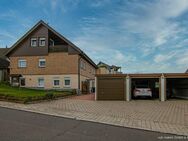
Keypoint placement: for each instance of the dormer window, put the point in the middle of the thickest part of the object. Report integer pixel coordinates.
(33, 42)
(42, 42)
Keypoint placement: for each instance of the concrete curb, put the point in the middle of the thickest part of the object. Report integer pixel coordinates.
(71, 116)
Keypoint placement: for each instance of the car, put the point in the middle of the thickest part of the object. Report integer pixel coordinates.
(142, 91)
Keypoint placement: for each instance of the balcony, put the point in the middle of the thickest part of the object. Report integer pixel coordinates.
(58, 48)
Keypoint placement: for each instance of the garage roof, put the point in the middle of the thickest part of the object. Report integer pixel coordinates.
(147, 75)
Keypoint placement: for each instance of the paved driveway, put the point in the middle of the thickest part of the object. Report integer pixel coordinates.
(84, 97)
(168, 117)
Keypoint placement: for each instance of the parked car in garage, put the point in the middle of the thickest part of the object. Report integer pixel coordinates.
(142, 91)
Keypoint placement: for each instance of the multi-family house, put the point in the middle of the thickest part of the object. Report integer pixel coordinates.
(43, 58)
(104, 68)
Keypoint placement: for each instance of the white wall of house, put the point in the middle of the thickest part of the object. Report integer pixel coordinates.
(32, 81)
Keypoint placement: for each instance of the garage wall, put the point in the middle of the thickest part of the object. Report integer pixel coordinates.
(110, 88)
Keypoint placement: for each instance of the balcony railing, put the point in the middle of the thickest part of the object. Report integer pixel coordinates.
(58, 48)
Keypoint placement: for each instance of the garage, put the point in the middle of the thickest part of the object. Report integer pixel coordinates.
(176, 86)
(163, 86)
(110, 88)
(145, 88)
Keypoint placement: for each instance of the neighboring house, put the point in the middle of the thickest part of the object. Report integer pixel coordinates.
(186, 71)
(4, 64)
(107, 69)
(43, 58)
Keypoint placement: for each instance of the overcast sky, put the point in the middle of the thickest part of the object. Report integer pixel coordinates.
(139, 35)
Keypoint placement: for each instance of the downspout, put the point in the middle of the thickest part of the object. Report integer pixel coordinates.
(79, 75)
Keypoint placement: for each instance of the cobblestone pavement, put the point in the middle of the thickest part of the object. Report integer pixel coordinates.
(85, 97)
(167, 117)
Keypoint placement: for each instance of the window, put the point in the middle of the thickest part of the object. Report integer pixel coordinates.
(33, 42)
(41, 82)
(56, 83)
(22, 63)
(51, 42)
(67, 82)
(93, 71)
(42, 63)
(83, 65)
(90, 70)
(42, 42)
(22, 81)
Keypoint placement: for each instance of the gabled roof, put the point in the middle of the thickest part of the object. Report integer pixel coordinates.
(56, 33)
(102, 64)
(3, 52)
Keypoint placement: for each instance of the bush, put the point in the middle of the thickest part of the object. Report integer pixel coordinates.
(74, 91)
(49, 95)
(27, 99)
(5, 83)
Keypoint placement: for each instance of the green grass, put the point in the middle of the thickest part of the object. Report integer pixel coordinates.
(27, 95)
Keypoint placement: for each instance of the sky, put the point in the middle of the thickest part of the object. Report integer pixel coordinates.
(141, 36)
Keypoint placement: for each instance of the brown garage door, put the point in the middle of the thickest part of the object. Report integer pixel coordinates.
(110, 88)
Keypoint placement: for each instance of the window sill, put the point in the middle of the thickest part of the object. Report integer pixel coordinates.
(67, 86)
(40, 86)
(56, 86)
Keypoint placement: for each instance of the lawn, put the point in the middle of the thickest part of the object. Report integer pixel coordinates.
(25, 95)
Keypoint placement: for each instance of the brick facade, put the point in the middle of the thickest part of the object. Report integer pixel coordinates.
(56, 63)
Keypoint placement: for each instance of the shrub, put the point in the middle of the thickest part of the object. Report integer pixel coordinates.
(49, 95)
(5, 83)
(74, 91)
(27, 99)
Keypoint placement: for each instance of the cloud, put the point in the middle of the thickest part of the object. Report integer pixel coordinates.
(154, 20)
(164, 57)
(134, 31)
(182, 58)
(99, 3)
(181, 44)
(140, 36)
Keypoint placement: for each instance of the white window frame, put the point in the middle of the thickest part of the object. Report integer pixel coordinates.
(20, 61)
(67, 78)
(42, 39)
(41, 86)
(42, 60)
(33, 39)
(54, 82)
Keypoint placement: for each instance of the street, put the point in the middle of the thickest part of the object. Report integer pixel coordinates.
(18, 125)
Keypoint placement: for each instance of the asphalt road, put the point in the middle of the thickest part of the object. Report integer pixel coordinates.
(18, 125)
